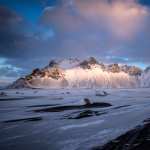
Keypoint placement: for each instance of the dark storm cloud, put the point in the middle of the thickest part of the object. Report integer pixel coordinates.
(22, 43)
(31, 33)
(19, 39)
(10, 32)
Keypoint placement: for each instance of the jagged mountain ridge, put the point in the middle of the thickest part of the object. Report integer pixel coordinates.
(87, 73)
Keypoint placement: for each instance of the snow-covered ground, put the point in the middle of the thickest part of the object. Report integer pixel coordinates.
(61, 130)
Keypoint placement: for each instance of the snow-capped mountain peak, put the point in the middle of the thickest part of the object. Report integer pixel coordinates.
(64, 63)
(89, 73)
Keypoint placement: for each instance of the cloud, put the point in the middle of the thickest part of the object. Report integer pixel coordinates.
(20, 39)
(121, 18)
(8, 70)
(112, 30)
(91, 27)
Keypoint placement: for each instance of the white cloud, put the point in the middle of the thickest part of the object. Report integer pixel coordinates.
(7, 69)
(122, 18)
(92, 27)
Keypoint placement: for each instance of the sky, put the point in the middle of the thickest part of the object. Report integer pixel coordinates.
(32, 32)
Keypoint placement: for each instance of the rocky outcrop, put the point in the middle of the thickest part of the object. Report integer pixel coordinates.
(135, 71)
(20, 83)
(86, 64)
(114, 68)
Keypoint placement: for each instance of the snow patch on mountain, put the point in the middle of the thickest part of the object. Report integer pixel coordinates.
(145, 78)
(64, 63)
(96, 77)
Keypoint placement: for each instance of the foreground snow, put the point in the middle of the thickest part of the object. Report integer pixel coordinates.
(22, 127)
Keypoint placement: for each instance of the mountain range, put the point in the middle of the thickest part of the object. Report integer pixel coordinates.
(89, 73)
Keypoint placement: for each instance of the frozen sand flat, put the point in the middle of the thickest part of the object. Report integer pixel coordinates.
(23, 128)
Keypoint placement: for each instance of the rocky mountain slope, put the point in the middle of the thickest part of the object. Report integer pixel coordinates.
(88, 73)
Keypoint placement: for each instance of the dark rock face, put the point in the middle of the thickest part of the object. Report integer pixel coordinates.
(114, 68)
(3, 94)
(103, 67)
(125, 68)
(53, 63)
(55, 73)
(102, 94)
(20, 83)
(87, 101)
(135, 71)
(36, 72)
(86, 64)
(74, 107)
(24, 120)
(147, 69)
(136, 139)
(93, 61)
(131, 70)
(84, 114)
